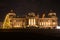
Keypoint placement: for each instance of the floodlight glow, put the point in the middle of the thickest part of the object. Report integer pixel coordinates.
(58, 27)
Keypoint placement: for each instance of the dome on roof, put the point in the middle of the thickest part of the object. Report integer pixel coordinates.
(31, 14)
(52, 13)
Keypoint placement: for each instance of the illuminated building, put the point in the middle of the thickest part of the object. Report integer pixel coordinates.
(31, 20)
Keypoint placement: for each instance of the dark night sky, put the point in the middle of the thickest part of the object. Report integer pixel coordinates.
(24, 6)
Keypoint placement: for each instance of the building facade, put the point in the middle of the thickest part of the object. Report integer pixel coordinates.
(32, 20)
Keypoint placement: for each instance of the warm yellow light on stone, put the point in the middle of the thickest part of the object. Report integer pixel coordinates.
(30, 20)
(54, 23)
